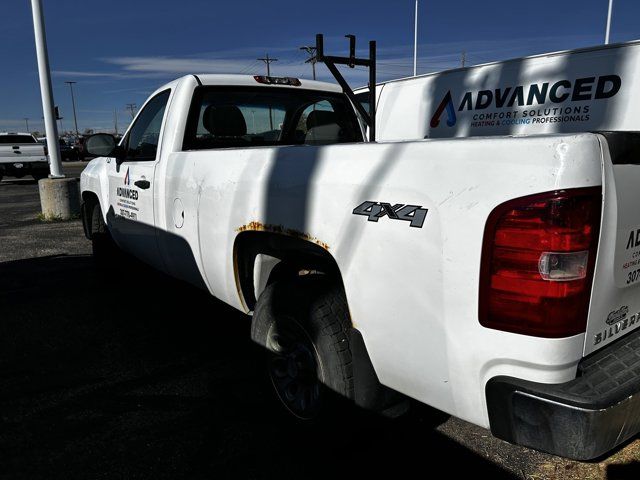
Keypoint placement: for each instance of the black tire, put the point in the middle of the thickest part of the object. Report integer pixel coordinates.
(304, 324)
(105, 250)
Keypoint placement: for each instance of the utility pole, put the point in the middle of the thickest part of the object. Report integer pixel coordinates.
(415, 43)
(606, 36)
(463, 59)
(115, 120)
(312, 58)
(268, 61)
(132, 109)
(26, 121)
(45, 90)
(73, 103)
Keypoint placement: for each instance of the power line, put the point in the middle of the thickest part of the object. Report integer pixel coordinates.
(249, 68)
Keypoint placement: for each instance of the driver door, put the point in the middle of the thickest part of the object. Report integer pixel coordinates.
(131, 184)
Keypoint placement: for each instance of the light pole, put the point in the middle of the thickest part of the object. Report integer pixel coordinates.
(26, 121)
(45, 90)
(415, 43)
(73, 103)
(606, 36)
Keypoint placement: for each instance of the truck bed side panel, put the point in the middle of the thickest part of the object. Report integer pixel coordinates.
(412, 292)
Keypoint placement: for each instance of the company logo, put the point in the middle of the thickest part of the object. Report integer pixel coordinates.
(617, 315)
(127, 180)
(618, 321)
(553, 96)
(446, 103)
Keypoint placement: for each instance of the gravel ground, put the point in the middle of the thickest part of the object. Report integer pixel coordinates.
(135, 375)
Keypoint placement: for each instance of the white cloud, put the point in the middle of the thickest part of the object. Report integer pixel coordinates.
(180, 65)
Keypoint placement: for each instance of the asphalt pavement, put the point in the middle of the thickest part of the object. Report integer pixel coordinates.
(134, 375)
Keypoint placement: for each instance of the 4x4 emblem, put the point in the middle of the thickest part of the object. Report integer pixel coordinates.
(377, 210)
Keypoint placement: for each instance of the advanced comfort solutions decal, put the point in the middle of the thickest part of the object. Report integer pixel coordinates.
(564, 101)
(127, 199)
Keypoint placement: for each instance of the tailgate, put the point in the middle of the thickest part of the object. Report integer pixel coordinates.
(615, 301)
(22, 152)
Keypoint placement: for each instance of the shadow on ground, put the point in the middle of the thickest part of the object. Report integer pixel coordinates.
(138, 376)
(624, 471)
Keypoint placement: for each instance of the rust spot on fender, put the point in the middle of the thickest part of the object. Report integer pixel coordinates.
(261, 227)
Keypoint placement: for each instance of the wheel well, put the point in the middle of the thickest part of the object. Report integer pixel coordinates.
(298, 257)
(89, 200)
(295, 256)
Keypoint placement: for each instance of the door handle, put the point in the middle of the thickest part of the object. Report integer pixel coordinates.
(143, 184)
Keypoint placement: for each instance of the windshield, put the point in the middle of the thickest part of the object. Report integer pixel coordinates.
(223, 117)
(16, 139)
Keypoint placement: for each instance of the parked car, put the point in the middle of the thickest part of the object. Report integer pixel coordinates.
(68, 152)
(21, 154)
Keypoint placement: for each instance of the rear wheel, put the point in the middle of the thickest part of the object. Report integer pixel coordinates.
(303, 324)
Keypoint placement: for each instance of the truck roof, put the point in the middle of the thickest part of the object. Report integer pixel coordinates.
(250, 81)
(15, 133)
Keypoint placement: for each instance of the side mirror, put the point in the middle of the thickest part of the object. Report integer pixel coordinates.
(103, 145)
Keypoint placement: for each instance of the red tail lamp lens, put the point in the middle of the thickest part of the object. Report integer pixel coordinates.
(537, 263)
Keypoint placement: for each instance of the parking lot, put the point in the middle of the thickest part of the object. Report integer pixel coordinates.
(134, 375)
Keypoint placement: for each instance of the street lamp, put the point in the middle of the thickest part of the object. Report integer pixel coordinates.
(606, 35)
(73, 103)
(45, 90)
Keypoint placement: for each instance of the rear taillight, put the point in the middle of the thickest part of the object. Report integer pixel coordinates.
(537, 263)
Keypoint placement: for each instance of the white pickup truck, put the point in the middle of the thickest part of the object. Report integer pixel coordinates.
(21, 154)
(496, 279)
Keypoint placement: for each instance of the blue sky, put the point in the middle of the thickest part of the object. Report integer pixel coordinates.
(120, 51)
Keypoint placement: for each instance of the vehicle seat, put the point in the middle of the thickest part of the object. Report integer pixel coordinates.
(323, 128)
(226, 124)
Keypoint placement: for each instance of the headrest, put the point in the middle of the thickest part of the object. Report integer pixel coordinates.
(318, 118)
(224, 121)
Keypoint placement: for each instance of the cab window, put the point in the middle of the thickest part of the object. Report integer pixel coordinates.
(363, 98)
(226, 117)
(142, 140)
